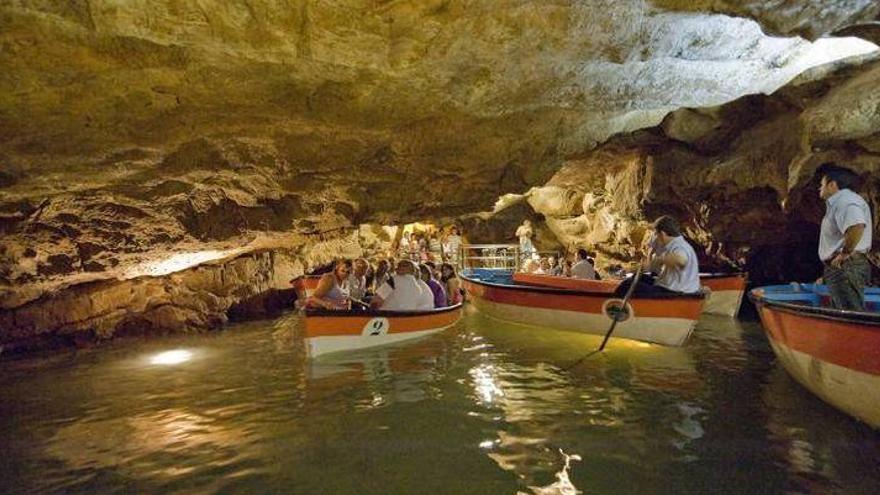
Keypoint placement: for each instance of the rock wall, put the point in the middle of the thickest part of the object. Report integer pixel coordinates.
(169, 297)
(133, 132)
(738, 176)
(127, 127)
(194, 299)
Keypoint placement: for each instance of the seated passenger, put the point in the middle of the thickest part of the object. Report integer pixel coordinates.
(566, 268)
(403, 291)
(544, 266)
(435, 286)
(332, 291)
(555, 267)
(582, 268)
(454, 292)
(616, 271)
(357, 281)
(531, 265)
(435, 271)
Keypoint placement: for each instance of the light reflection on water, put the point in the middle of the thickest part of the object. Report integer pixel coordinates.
(484, 407)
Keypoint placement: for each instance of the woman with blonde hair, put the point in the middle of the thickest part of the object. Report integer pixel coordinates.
(332, 291)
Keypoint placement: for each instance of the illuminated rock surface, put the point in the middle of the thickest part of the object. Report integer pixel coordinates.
(133, 131)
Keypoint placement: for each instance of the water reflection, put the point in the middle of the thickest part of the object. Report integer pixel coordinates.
(812, 456)
(484, 407)
(143, 443)
(563, 484)
(383, 376)
(534, 405)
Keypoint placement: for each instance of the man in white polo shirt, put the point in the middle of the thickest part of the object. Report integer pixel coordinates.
(672, 258)
(582, 267)
(403, 291)
(845, 237)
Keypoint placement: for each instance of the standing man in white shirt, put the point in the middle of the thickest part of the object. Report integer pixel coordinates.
(844, 238)
(582, 267)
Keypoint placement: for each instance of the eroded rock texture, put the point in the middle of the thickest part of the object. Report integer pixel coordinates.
(130, 131)
(739, 176)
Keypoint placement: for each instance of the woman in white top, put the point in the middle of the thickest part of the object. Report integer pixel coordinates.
(333, 290)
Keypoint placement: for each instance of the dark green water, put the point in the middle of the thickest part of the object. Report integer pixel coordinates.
(484, 407)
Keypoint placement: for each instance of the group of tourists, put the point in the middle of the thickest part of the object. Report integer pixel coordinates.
(583, 266)
(671, 264)
(389, 284)
(669, 261)
(845, 239)
(430, 246)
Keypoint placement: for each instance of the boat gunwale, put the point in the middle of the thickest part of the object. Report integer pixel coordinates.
(842, 315)
(714, 275)
(576, 292)
(372, 313)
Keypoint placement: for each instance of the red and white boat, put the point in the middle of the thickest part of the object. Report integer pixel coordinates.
(834, 353)
(662, 319)
(329, 331)
(724, 296)
(726, 292)
(305, 285)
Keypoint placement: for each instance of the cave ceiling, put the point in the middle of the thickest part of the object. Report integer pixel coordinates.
(127, 125)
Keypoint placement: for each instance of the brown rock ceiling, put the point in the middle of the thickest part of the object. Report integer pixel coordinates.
(132, 130)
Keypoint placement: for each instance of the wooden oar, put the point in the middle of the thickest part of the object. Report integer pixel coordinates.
(615, 317)
(365, 304)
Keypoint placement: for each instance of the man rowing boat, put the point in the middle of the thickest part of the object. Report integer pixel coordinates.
(671, 258)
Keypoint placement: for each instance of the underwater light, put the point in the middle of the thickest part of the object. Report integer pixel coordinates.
(169, 358)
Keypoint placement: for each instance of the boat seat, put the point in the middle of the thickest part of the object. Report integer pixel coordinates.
(807, 298)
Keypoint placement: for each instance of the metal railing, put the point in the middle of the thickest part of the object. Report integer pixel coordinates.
(499, 256)
(495, 256)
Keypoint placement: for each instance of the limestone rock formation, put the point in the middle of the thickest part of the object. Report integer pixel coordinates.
(787, 17)
(134, 131)
(740, 176)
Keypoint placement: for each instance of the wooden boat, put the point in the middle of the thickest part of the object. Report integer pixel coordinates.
(726, 292)
(834, 353)
(305, 285)
(662, 319)
(337, 331)
(724, 295)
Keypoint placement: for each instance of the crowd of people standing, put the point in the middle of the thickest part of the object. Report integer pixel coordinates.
(431, 245)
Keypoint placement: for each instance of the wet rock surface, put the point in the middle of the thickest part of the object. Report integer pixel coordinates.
(131, 133)
(738, 176)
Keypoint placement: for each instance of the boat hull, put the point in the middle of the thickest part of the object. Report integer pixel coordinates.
(725, 290)
(328, 332)
(667, 321)
(305, 285)
(725, 293)
(837, 357)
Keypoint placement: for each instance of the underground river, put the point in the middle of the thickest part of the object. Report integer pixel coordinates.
(483, 407)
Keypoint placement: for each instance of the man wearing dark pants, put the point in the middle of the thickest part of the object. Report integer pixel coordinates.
(671, 257)
(845, 237)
